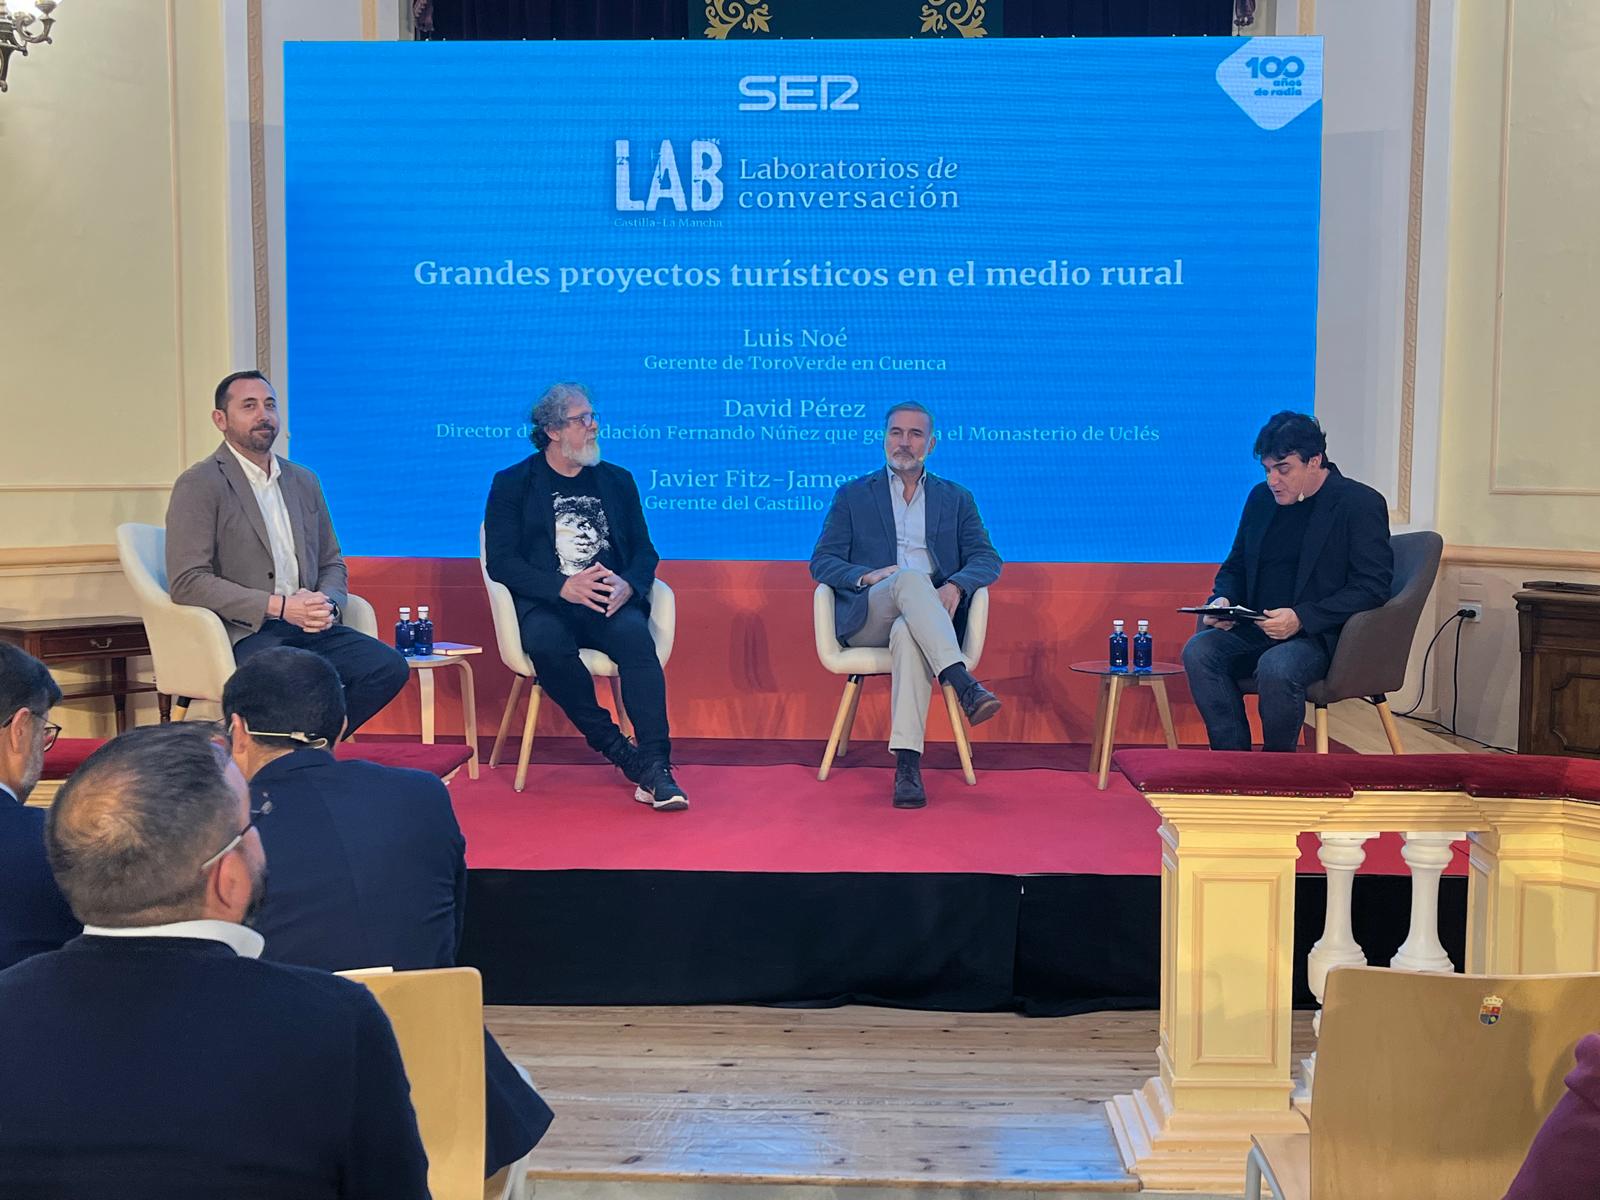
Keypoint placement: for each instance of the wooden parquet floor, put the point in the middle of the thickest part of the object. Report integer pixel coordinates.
(832, 1096)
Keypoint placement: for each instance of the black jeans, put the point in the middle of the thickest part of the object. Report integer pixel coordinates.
(552, 634)
(1216, 659)
(372, 672)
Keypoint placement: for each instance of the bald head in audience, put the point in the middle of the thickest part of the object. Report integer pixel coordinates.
(155, 828)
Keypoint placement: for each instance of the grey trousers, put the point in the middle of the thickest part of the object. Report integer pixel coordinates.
(904, 614)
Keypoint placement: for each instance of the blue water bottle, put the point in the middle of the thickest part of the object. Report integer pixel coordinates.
(422, 634)
(1119, 647)
(403, 632)
(1144, 647)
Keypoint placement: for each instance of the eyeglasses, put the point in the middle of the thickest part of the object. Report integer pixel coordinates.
(588, 419)
(255, 815)
(51, 732)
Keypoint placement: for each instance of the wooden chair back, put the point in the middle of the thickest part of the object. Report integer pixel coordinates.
(438, 1020)
(1432, 1086)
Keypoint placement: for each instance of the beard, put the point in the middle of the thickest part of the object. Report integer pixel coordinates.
(258, 897)
(259, 441)
(586, 456)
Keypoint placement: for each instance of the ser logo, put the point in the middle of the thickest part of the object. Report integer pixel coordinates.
(799, 93)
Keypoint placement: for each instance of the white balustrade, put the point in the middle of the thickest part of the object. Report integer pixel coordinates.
(1427, 854)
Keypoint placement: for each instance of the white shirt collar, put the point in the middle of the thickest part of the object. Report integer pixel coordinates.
(246, 943)
(894, 479)
(5, 790)
(254, 473)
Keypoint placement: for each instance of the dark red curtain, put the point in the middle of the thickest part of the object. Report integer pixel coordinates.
(511, 20)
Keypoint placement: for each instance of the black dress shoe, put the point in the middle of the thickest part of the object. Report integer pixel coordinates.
(908, 791)
(978, 702)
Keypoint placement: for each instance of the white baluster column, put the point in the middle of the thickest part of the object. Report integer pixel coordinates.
(1427, 854)
(1341, 855)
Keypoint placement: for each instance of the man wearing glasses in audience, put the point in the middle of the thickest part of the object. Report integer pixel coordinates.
(34, 916)
(154, 1056)
(369, 866)
(565, 533)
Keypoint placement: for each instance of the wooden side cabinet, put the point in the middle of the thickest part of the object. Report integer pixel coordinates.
(111, 641)
(1560, 636)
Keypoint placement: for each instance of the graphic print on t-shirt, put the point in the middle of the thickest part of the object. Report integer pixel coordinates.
(582, 533)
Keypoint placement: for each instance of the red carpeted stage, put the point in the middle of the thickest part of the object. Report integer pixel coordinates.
(1033, 890)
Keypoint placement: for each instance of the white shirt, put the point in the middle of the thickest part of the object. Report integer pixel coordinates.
(246, 943)
(910, 523)
(280, 534)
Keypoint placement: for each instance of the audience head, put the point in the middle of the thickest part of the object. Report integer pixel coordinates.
(281, 700)
(907, 436)
(564, 417)
(156, 827)
(27, 694)
(1294, 453)
(246, 412)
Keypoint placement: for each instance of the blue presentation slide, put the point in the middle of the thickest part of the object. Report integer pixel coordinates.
(1094, 260)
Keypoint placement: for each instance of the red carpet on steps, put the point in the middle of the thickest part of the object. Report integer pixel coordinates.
(779, 819)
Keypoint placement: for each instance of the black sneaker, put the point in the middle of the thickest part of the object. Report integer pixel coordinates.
(978, 702)
(624, 755)
(660, 790)
(908, 791)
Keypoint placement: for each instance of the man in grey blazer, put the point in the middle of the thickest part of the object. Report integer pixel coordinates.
(903, 551)
(249, 537)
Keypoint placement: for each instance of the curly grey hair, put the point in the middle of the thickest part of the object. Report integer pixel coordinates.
(550, 410)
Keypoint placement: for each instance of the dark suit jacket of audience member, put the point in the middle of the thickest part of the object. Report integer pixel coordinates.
(34, 916)
(519, 533)
(859, 536)
(1346, 565)
(171, 1068)
(367, 868)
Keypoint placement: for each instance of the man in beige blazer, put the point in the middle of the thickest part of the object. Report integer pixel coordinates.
(248, 536)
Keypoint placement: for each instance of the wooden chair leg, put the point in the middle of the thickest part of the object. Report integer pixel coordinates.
(1391, 728)
(505, 721)
(622, 713)
(1108, 738)
(846, 702)
(1322, 729)
(1158, 685)
(535, 693)
(959, 728)
(849, 722)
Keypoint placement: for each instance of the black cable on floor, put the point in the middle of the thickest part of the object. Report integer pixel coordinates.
(1423, 690)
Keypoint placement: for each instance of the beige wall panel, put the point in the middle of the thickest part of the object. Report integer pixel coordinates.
(1547, 401)
(86, 144)
(1549, 356)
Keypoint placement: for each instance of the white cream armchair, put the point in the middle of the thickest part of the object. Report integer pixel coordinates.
(189, 646)
(857, 662)
(508, 638)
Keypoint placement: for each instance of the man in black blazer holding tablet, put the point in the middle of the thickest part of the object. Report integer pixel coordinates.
(1312, 550)
(565, 533)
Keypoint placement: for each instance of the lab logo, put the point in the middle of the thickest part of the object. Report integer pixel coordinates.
(1273, 80)
(1489, 1010)
(703, 192)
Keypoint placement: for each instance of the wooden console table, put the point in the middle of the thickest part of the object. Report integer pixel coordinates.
(1560, 635)
(111, 641)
